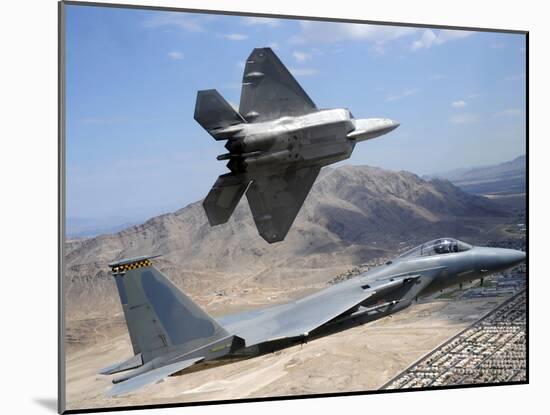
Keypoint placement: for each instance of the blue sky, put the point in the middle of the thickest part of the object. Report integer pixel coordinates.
(134, 150)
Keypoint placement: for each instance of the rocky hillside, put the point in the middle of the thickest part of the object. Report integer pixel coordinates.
(353, 214)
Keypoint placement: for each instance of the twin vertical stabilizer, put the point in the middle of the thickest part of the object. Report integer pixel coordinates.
(169, 332)
(158, 315)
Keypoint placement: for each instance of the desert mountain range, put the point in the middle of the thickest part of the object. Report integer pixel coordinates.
(503, 178)
(353, 214)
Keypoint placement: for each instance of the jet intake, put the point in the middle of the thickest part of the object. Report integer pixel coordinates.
(251, 143)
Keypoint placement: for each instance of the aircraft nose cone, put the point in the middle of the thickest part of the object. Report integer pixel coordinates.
(393, 125)
(515, 257)
(510, 257)
(499, 259)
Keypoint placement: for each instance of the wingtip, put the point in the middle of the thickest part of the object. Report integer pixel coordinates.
(272, 238)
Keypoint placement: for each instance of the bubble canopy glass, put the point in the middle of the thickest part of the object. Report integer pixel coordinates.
(436, 247)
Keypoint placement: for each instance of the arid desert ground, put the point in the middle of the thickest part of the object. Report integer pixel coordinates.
(359, 359)
(356, 218)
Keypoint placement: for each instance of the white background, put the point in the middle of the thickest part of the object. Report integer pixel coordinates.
(29, 203)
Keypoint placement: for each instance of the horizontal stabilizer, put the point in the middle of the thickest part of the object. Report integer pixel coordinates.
(216, 115)
(132, 363)
(224, 196)
(153, 376)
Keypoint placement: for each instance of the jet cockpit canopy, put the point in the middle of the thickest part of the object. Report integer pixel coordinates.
(436, 247)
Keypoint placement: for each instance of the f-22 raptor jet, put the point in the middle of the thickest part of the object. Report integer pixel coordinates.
(277, 143)
(170, 334)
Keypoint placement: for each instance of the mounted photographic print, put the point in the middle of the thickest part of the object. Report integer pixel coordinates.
(258, 207)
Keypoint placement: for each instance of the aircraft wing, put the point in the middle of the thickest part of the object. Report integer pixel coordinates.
(275, 200)
(269, 91)
(152, 376)
(301, 317)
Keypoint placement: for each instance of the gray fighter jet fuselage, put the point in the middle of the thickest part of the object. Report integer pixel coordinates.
(171, 334)
(277, 143)
(317, 139)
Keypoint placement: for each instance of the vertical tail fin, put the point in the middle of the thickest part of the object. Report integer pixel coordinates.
(157, 313)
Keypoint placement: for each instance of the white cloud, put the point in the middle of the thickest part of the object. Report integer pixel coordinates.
(474, 96)
(174, 19)
(464, 118)
(296, 40)
(459, 104)
(241, 64)
(431, 38)
(303, 71)
(378, 35)
(438, 76)
(516, 77)
(175, 55)
(512, 112)
(274, 45)
(335, 32)
(267, 21)
(405, 93)
(235, 36)
(301, 56)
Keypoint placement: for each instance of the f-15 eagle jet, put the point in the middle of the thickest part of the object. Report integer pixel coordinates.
(171, 334)
(277, 143)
